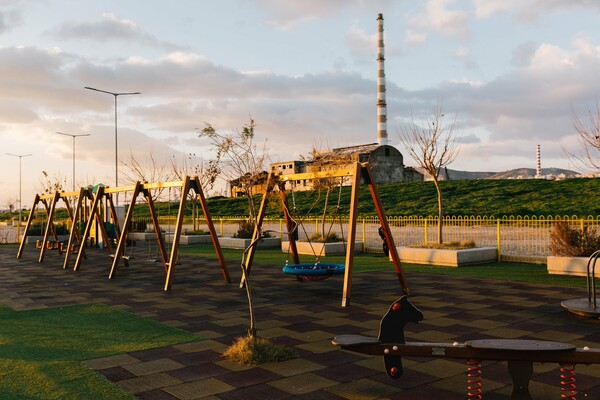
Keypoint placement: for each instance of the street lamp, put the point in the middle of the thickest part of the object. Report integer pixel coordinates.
(73, 136)
(116, 94)
(20, 205)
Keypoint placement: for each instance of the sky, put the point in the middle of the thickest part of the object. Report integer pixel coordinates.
(510, 73)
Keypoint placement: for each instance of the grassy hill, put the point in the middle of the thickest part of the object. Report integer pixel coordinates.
(466, 197)
(485, 197)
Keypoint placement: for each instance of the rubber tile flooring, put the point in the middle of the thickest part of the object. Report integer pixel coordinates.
(305, 316)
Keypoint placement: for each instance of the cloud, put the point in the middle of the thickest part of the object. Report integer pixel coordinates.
(465, 57)
(439, 17)
(111, 28)
(287, 15)
(528, 11)
(8, 20)
(523, 54)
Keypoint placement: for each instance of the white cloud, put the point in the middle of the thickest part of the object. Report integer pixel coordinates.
(287, 15)
(463, 55)
(440, 17)
(9, 19)
(414, 38)
(109, 27)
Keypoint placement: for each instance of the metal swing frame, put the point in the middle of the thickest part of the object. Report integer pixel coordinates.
(358, 172)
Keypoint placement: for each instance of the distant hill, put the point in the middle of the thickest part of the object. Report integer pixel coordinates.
(517, 173)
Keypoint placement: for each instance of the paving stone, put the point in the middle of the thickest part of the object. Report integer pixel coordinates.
(303, 383)
(148, 382)
(455, 309)
(153, 367)
(112, 361)
(198, 389)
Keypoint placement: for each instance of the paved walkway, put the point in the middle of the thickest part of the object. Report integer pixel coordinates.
(306, 316)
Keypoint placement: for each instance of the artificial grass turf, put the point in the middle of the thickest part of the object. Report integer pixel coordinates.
(365, 262)
(41, 350)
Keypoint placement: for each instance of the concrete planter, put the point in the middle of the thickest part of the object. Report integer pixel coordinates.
(185, 240)
(324, 249)
(142, 236)
(576, 266)
(237, 243)
(448, 258)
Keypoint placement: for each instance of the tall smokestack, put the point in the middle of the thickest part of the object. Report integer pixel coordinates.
(538, 165)
(382, 137)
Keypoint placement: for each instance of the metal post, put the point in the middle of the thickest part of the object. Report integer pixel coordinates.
(20, 203)
(115, 94)
(74, 137)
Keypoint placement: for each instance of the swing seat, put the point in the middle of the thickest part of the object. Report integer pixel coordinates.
(314, 272)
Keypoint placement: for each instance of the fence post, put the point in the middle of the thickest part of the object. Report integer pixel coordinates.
(221, 225)
(498, 237)
(426, 232)
(364, 235)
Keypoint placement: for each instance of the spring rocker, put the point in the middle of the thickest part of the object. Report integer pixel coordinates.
(357, 173)
(520, 354)
(586, 307)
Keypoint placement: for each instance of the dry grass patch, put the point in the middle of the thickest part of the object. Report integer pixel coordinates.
(249, 350)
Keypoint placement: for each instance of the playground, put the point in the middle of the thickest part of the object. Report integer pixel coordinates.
(305, 316)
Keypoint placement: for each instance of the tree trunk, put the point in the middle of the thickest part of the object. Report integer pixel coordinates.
(324, 215)
(440, 211)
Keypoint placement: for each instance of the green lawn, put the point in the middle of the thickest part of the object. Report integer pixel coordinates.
(516, 272)
(41, 350)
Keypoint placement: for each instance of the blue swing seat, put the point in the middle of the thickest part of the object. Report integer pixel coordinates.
(314, 272)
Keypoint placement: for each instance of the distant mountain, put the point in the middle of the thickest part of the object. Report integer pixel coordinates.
(517, 173)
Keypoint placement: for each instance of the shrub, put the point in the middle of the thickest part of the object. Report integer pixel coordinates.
(448, 245)
(573, 241)
(38, 228)
(196, 232)
(331, 237)
(245, 230)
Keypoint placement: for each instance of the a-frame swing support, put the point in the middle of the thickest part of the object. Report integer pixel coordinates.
(357, 172)
(101, 193)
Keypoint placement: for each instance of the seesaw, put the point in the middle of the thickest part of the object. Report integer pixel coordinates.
(520, 354)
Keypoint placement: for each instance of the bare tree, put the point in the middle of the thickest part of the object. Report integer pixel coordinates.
(11, 204)
(433, 146)
(146, 170)
(327, 160)
(238, 158)
(207, 173)
(589, 140)
(52, 184)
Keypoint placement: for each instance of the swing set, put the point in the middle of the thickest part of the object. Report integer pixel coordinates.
(89, 209)
(318, 271)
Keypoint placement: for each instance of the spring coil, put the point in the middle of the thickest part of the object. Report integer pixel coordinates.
(474, 379)
(567, 381)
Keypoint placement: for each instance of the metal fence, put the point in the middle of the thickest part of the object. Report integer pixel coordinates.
(519, 239)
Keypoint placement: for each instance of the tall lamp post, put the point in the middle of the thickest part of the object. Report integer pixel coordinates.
(20, 205)
(116, 94)
(73, 136)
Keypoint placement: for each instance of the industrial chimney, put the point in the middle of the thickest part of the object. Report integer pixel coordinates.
(382, 137)
(538, 165)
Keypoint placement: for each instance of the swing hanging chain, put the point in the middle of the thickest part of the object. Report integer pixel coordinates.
(300, 222)
(337, 214)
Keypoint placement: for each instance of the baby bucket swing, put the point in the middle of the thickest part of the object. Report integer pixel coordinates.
(316, 271)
